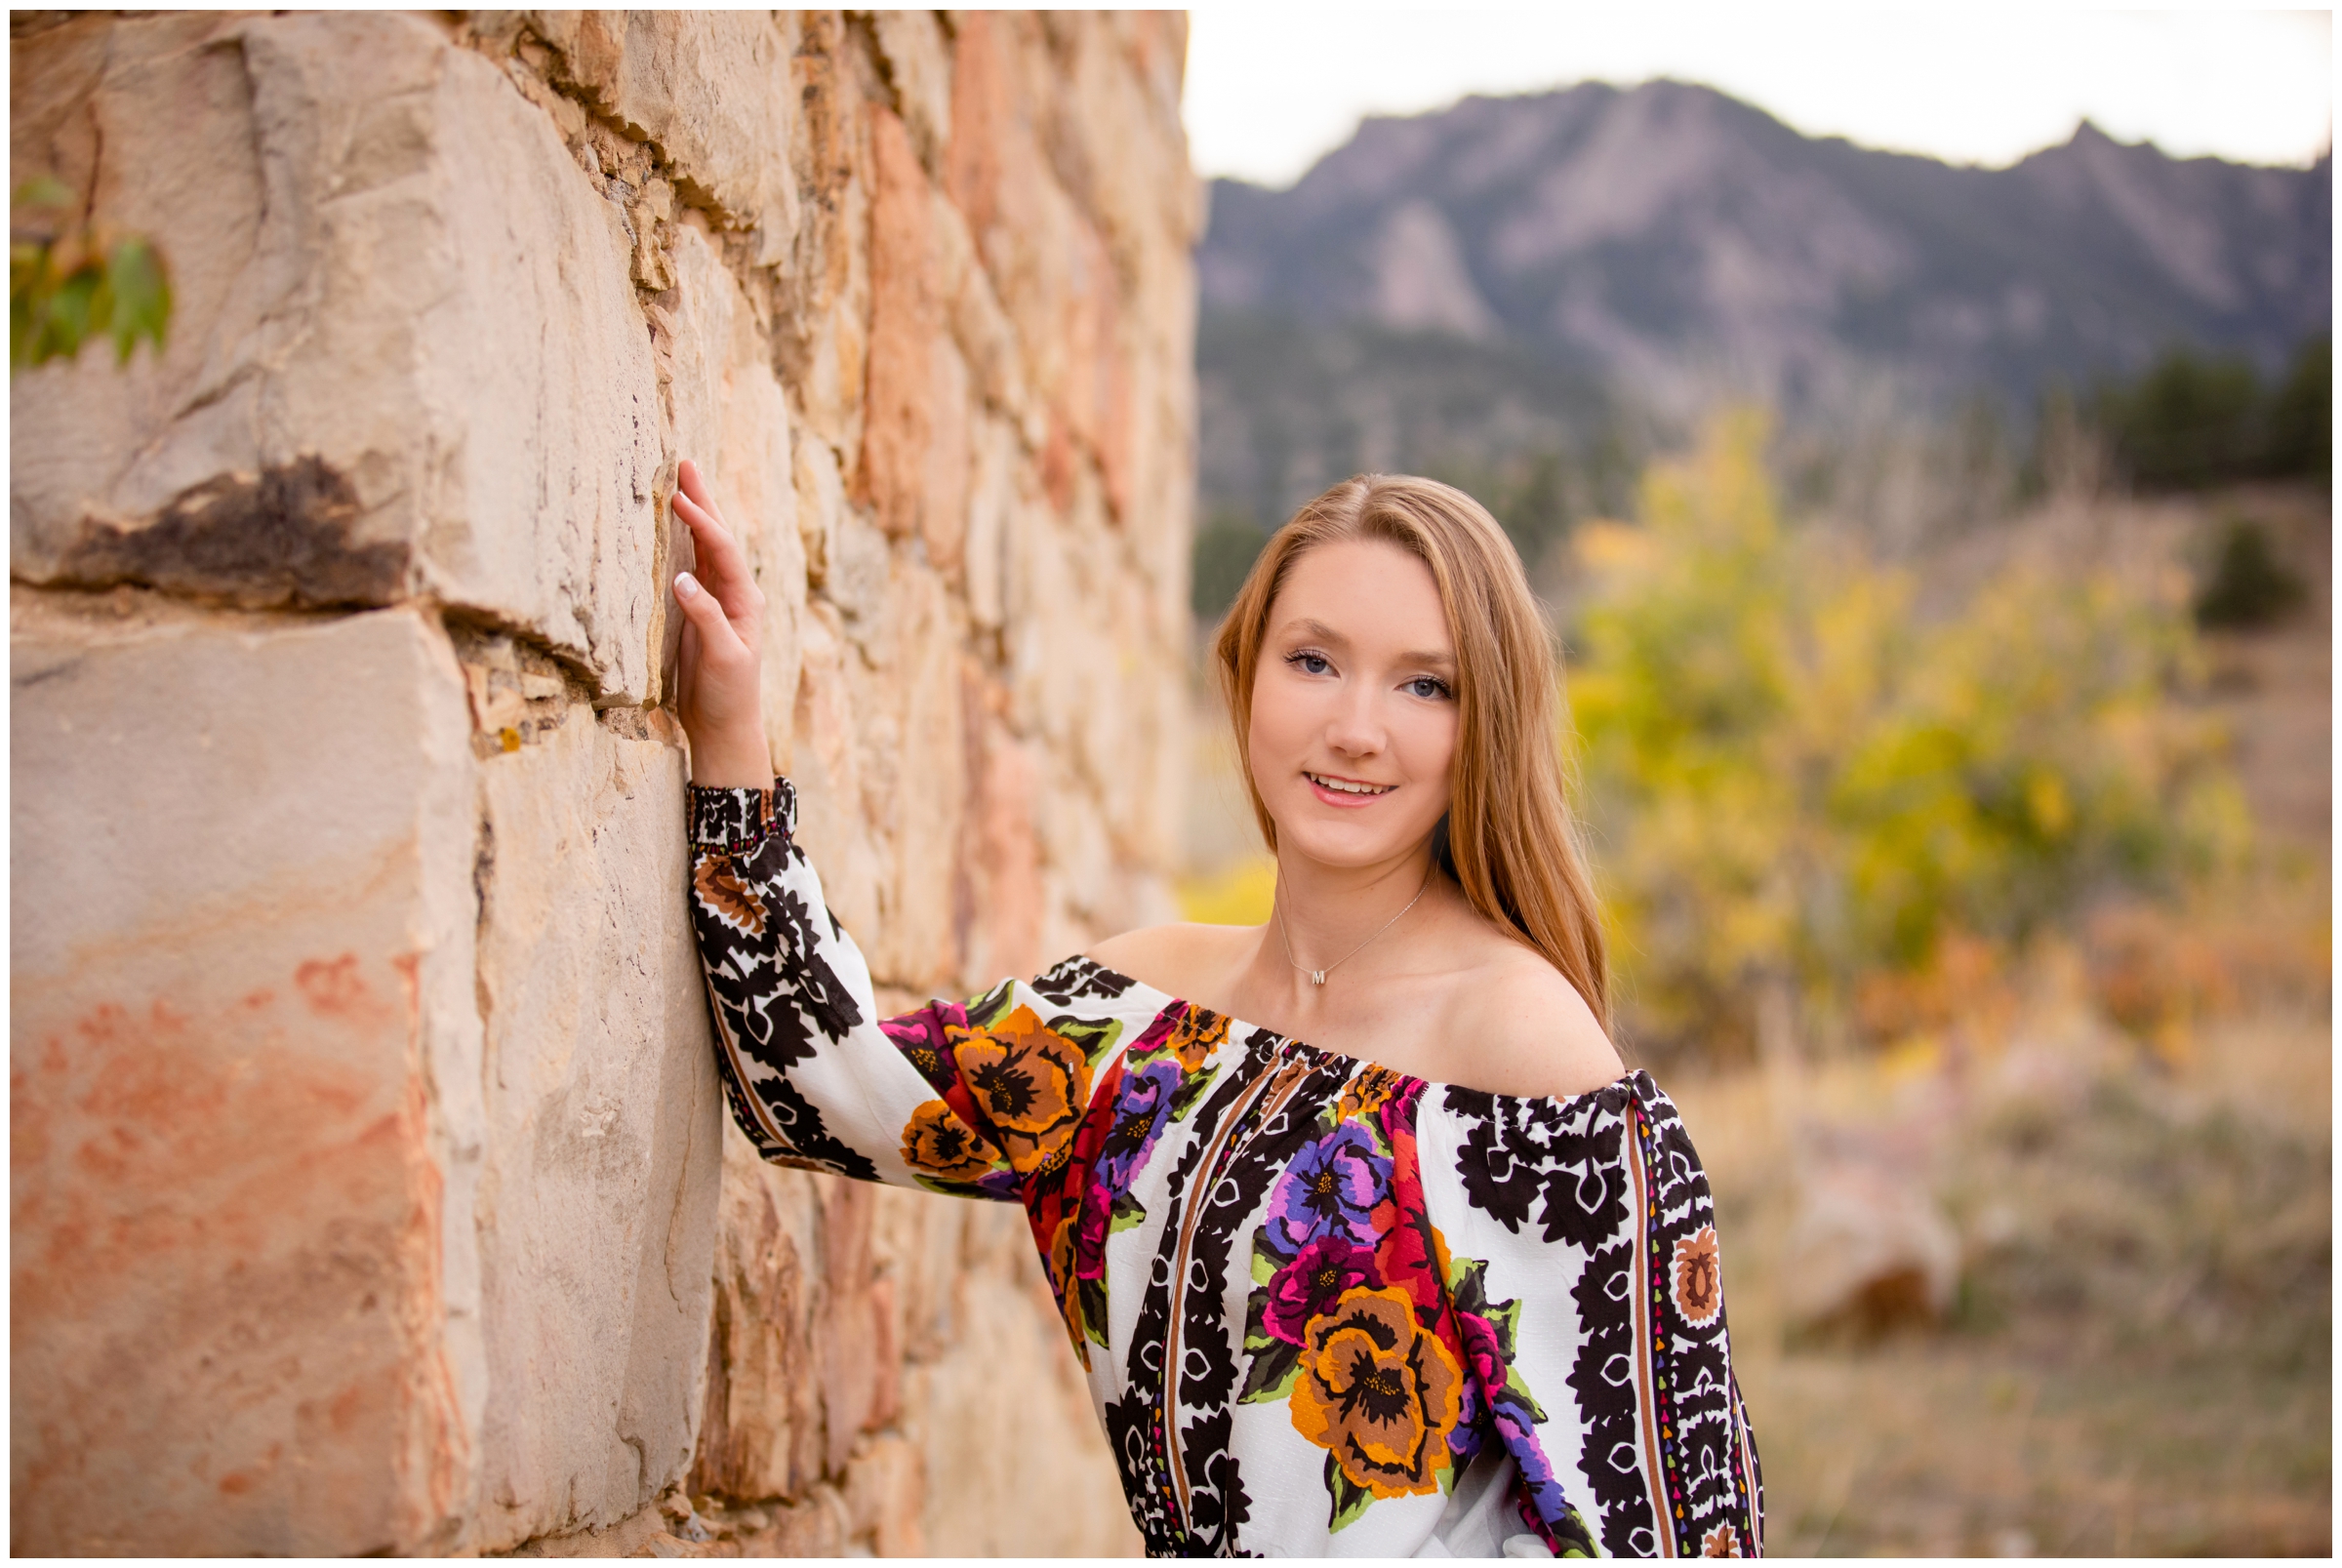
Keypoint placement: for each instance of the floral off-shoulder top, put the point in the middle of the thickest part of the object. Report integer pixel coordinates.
(1325, 1308)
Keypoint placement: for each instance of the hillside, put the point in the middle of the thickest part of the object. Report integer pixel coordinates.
(1641, 252)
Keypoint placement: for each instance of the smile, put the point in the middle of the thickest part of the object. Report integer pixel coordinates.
(1347, 786)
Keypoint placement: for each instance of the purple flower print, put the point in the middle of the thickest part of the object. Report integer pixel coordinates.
(1313, 1283)
(1333, 1187)
(1142, 1107)
(1520, 1435)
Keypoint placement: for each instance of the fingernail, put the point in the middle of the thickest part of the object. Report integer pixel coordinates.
(686, 584)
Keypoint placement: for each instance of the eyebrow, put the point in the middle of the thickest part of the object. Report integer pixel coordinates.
(1319, 632)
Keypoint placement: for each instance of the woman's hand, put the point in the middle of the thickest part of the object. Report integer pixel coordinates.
(716, 686)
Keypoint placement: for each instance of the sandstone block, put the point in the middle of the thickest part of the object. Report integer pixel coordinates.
(760, 1433)
(244, 1086)
(824, 763)
(597, 1203)
(1051, 271)
(918, 67)
(400, 272)
(822, 316)
(1005, 936)
(928, 905)
(916, 427)
(992, 494)
(983, 1455)
(709, 89)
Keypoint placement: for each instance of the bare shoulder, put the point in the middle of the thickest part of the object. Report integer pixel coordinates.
(1183, 959)
(1531, 1032)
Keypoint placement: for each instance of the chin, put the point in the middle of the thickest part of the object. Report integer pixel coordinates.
(1345, 844)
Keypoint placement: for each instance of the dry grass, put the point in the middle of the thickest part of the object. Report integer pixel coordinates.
(2139, 1364)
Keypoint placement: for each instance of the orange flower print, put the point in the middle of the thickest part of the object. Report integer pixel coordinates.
(1032, 1082)
(1699, 1278)
(936, 1143)
(726, 897)
(1378, 1392)
(1366, 1093)
(1199, 1033)
(1721, 1542)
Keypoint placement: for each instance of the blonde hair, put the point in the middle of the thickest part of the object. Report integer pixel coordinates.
(1508, 839)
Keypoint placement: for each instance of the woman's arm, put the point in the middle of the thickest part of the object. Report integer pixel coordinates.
(813, 1074)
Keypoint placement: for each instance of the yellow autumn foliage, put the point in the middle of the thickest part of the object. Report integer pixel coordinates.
(1792, 777)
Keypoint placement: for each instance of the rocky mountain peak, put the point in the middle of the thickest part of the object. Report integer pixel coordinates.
(1691, 242)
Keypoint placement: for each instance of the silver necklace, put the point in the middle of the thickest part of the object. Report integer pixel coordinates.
(1317, 976)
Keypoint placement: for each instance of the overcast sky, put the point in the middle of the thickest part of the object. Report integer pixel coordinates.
(1271, 88)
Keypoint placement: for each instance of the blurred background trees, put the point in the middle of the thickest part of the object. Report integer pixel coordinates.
(2192, 420)
(1794, 776)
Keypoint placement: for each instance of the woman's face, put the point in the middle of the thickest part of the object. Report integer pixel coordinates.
(1354, 709)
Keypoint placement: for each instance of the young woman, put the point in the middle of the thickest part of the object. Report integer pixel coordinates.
(1443, 1280)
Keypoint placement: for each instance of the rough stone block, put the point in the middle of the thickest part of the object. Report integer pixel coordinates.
(400, 273)
(760, 1435)
(597, 1202)
(709, 89)
(914, 464)
(244, 1087)
(982, 1452)
(918, 67)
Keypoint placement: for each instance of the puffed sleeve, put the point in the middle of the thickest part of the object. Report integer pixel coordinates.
(1589, 1291)
(815, 1078)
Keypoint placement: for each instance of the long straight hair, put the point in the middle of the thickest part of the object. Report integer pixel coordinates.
(1508, 838)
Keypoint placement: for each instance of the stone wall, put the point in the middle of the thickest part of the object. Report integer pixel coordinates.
(370, 1188)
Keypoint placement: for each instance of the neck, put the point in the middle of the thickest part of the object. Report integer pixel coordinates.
(1328, 911)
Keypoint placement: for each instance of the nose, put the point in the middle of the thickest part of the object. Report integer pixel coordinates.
(1356, 728)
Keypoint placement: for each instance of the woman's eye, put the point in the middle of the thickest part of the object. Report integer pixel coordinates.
(1429, 688)
(1309, 663)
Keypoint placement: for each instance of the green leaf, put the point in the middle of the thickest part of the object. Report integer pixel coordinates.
(1576, 1540)
(1504, 1318)
(1095, 1035)
(1467, 1281)
(1516, 1392)
(53, 314)
(1270, 1372)
(1349, 1501)
(1092, 1293)
(41, 190)
(65, 324)
(1190, 1091)
(142, 296)
(1128, 1213)
(987, 1010)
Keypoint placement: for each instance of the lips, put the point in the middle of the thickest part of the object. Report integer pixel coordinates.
(1352, 788)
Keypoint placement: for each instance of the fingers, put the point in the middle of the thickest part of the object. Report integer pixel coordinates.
(704, 614)
(723, 565)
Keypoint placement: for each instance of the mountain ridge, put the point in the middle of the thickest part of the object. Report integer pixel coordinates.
(1689, 245)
